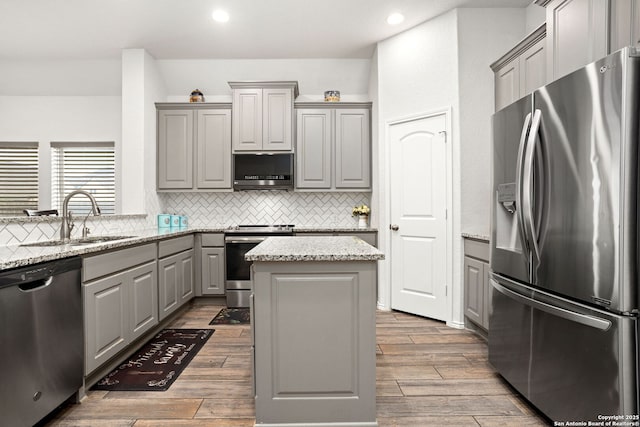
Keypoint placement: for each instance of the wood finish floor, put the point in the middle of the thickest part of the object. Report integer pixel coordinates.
(427, 375)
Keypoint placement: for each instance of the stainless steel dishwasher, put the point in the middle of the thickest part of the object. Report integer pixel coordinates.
(41, 339)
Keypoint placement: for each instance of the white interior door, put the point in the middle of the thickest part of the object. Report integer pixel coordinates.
(418, 194)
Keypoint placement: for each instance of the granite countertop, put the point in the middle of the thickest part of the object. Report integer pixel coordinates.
(314, 248)
(13, 256)
(476, 237)
(17, 256)
(319, 229)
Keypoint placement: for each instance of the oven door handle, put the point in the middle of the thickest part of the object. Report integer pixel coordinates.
(244, 239)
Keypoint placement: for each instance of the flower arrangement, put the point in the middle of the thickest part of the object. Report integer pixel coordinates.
(361, 210)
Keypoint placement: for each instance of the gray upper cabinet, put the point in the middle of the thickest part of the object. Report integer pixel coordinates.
(577, 34)
(625, 24)
(175, 149)
(214, 149)
(521, 70)
(333, 146)
(314, 148)
(263, 115)
(194, 146)
(352, 149)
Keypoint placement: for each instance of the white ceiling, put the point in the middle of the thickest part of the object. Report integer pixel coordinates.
(184, 29)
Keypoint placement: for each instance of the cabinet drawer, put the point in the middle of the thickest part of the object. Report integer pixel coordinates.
(121, 259)
(213, 239)
(173, 246)
(476, 249)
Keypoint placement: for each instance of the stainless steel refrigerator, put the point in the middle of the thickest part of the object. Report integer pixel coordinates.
(563, 326)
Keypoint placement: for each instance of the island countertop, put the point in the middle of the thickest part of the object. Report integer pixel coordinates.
(314, 248)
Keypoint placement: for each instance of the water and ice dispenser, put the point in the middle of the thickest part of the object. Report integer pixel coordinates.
(507, 236)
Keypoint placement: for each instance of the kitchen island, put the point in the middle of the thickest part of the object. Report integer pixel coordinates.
(313, 323)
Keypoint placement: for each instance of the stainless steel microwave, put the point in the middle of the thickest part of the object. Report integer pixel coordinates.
(263, 171)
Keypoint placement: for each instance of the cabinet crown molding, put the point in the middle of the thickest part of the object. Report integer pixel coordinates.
(534, 37)
(340, 104)
(192, 105)
(253, 84)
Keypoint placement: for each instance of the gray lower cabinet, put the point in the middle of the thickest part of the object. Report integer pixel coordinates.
(333, 146)
(314, 342)
(212, 264)
(477, 289)
(120, 301)
(194, 146)
(176, 284)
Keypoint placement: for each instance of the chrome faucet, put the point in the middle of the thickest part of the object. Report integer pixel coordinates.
(67, 216)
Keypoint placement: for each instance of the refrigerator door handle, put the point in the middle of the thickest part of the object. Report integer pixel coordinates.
(527, 202)
(519, 171)
(592, 321)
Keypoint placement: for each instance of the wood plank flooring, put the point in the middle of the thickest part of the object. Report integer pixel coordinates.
(427, 375)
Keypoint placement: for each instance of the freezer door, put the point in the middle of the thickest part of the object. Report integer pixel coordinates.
(510, 335)
(571, 361)
(509, 254)
(584, 218)
(584, 362)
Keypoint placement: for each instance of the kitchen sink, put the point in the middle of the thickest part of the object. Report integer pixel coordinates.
(78, 241)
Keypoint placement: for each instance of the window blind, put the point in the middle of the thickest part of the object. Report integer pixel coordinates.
(18, 177)
(83, 166)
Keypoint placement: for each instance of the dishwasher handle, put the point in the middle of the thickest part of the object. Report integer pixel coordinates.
(36, 285)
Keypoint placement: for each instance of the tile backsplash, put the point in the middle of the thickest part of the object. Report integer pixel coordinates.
(265, 207)
(205, 209)
(38, 228)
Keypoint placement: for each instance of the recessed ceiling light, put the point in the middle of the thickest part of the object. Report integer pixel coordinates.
(220, 16)
(395, 19)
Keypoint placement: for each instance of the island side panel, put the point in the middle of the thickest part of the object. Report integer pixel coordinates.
(315, 342)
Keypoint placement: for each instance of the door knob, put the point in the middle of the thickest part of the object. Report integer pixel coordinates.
(394, 227)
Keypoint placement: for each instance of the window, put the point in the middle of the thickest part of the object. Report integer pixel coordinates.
(18, 177)
(83, 166)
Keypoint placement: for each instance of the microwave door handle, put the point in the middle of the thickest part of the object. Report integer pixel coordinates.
(519, 171)
(527, 207)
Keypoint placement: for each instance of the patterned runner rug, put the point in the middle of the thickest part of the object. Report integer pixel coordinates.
(157, 364)
(232, 316)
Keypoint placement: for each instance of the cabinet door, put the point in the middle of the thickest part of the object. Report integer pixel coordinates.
(352, 149)
(213, 142)
(533, 68)
(313, 148)
(168, 285)
(186, 283)
(277, 112)
(507, 84)
(625, 24)
(577, 34)
(143, 311)
(106, 319)
(247, 120)
(474, 290)
(212, 271)
(488, 295)
(175, 149)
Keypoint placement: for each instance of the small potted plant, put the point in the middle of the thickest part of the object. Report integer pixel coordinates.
(362, 212)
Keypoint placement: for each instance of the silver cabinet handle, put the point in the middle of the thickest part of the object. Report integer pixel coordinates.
(394, 227)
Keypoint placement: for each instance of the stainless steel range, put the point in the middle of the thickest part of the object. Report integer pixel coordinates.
(237, 242)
